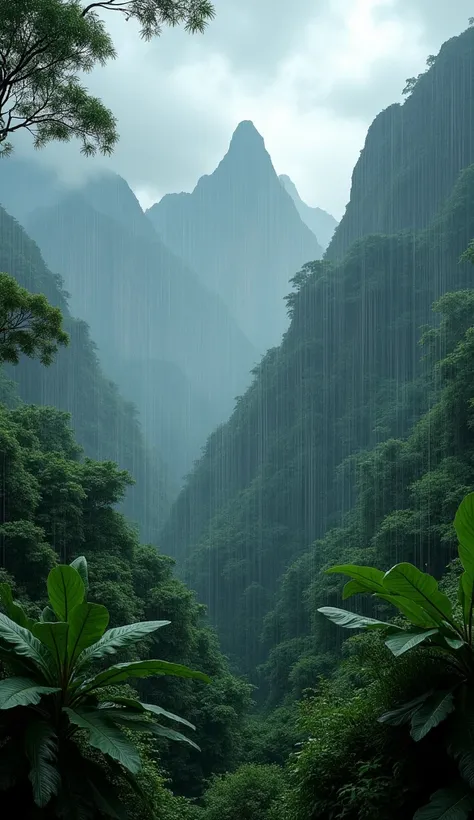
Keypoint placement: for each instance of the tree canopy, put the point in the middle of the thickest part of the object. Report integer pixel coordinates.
(45, 45)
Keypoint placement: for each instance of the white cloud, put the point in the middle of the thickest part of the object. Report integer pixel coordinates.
(311, 80)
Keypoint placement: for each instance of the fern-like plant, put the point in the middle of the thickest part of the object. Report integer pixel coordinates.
(52, 708)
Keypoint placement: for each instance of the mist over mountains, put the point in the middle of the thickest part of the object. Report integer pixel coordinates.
(181, 301)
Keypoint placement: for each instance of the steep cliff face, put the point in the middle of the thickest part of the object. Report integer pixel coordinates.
(347, 376)
(145, 306)
(240, 230)
(414, 152)
(105, 425)
(318, 221)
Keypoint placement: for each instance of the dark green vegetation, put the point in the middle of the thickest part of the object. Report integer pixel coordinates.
(46, 44)
(53, 693)
(353, 447)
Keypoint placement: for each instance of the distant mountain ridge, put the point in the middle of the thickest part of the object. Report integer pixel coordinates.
(318, 221)
(241, 232)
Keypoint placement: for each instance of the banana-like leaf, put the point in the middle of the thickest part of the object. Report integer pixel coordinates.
(404, 641)
(464, 526)
(171, 734)
(466, 596)
(105, 736)
(403, 714)
(119, 638)
(24, 643)
(80, 564)
(350, 620)
(48, 615)
(54, 636)
(137, 706)
(41, 745)
(157, 710)
(456, 803)
(368, 579)
(13, 609)
(353, 588)
(413, 612)
(139, 669)
(22, 692)
(409, 582)
(65, 590)
(431, 714)
(87, 624)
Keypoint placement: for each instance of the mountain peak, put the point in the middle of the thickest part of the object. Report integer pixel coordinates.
(246, 136)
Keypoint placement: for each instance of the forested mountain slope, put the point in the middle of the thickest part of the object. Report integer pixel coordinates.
(346, 377)
(241, 232)
(320, 222)
(414, 152)
(148, 313)
(105, 425)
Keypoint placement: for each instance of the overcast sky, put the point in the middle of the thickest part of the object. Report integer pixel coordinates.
(311, 79)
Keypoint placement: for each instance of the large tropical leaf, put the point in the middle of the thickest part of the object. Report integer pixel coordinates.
(413, 612)
(22, 692)
(80, 564)
(65, 590)
(367, 579)
(20, 641)
(41, 745)
(105, 736)
(431, 714)
(54, 636)
(137, 706)
(404, 713)
(48, 615)
(171, 734)
(12, 608)
(466, 596)
(404, 641)
(419, 587)
(464, 526)
(119, 638)
(448, 804)
(87, 624)
(139, 669)
(350, 620)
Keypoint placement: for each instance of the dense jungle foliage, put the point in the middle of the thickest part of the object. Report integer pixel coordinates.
(354, 445)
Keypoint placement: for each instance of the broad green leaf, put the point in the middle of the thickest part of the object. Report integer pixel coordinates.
(352, 588)
(404, 641)
(409, 582)
(367, 578)
(54, 636)
(404, 713)
(413, 612)
(24, 643)
(80, 564)
(48, 615)
(464, 526)
(87, 624)
(454, 643)
(137, 706)
(448, 804)
(119, 638)
(65, 590)
(106, 737)
(139, 669)
(433, 712)
(171, 734)
(157, 710)
(22, 692)
(350, 620)
(41, 745)
(13, 609)
(466, 596)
